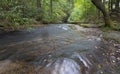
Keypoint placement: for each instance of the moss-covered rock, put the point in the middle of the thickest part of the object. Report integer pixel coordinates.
(115, 25)
(114, 35)
(91, 25)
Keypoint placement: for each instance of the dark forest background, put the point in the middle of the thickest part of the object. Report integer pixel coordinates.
(17, 13)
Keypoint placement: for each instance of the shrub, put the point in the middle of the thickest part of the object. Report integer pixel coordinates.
(11, 14)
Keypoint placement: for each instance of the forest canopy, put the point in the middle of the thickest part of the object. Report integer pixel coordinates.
(15, 13)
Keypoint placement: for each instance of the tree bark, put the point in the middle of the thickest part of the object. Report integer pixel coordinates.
(38, 4)
(109, 5)
(112, 2)
(102, 8)
(51, 8)
(117, 4)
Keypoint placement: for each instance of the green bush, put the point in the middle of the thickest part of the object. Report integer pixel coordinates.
(11, 14)
(83, 11)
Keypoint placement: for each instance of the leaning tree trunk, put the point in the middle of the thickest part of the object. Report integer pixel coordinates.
(101, 7)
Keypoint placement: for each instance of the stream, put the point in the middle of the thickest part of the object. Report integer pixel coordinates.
(59, 49)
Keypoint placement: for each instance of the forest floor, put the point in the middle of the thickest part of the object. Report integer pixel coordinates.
(60, 49)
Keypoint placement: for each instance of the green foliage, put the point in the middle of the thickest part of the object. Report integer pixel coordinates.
(11, 14)
(84, 10)
(16, 13)
(115, 25)
(59, 11)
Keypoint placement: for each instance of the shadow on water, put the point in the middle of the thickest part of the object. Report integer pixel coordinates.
(55, 49)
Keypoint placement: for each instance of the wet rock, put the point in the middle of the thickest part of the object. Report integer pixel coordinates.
(113, 60)
(112, 35)
(59, 49)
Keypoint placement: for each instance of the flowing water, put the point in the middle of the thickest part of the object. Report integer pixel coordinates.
(57, 49)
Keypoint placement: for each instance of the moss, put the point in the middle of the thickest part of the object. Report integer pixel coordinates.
(91, 25)
(115, 25)
(84, 25)
(105, 29)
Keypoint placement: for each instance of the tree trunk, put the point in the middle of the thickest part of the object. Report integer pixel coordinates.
(101, 7)
(117, 4)
(38, 4)
(109, 6)
(51, 8)
(112, 3)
